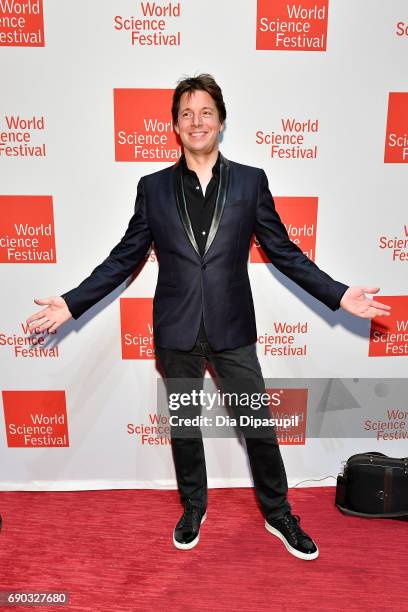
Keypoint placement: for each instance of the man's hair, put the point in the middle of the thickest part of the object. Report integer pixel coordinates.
(202, 82)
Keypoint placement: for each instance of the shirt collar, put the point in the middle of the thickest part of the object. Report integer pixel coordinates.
(186, 170)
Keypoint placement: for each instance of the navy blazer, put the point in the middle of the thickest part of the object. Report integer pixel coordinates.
(216, 284)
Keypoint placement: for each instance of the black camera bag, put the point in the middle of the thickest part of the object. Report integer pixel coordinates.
(373, 485)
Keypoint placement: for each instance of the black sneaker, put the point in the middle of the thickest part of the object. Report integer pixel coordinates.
(187, 532)
(298, 543)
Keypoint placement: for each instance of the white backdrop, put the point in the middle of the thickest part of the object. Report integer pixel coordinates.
(69, 83)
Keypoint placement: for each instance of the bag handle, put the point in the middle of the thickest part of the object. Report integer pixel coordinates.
(377, 454)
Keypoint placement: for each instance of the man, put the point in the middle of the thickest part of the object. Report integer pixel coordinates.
(201, 214)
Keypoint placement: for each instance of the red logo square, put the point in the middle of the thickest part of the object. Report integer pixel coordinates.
(21, 23)
(143, 126)
(285, 25)
(396, 138)
(389, 335)
(289, 404)
(27, 229)
(299, 215)
(136, 322)
(35, 419)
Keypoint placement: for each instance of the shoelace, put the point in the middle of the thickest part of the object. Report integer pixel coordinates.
(292, 521)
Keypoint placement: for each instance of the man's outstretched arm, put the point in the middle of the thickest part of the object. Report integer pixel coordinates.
(119, 264)
(292, 262)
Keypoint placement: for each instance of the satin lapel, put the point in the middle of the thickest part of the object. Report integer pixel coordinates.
(182, 207)
(220, 201)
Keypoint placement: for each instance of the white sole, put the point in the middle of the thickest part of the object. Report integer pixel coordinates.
(290, 548)
(191, 544)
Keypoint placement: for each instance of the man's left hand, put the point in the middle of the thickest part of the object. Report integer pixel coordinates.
(357, 303)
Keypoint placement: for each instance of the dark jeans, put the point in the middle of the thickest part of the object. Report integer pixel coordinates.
(237, 370)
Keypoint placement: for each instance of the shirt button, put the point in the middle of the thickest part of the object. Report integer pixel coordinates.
(198, 187)
(204, 267)
(203, 233)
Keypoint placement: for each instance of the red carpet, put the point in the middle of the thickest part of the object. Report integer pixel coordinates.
(113, 551)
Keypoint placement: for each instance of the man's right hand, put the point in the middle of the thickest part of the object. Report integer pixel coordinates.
(51, 317)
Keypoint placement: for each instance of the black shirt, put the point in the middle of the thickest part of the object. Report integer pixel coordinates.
(200, 208)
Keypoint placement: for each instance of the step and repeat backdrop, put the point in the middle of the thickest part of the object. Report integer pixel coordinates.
(316, 95)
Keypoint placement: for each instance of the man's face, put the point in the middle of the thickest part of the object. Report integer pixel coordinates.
(198, 122)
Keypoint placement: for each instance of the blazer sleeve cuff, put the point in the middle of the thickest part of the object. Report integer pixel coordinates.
(74, 309)
(341, 290)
